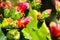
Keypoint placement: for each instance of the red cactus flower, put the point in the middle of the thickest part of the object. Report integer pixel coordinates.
(54, 29)
(21, 23)
(22, 7)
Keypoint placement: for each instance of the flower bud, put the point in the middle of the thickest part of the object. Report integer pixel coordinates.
(39, 16)
(57, 3)
(7, 23)
(57, 6)
(13, 34)
(36, 5)
(46, 13)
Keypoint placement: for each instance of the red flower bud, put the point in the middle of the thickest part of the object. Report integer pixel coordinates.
(48, 11)
(21, 23)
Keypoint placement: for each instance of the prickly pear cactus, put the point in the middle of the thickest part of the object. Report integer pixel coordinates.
(24, 20)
